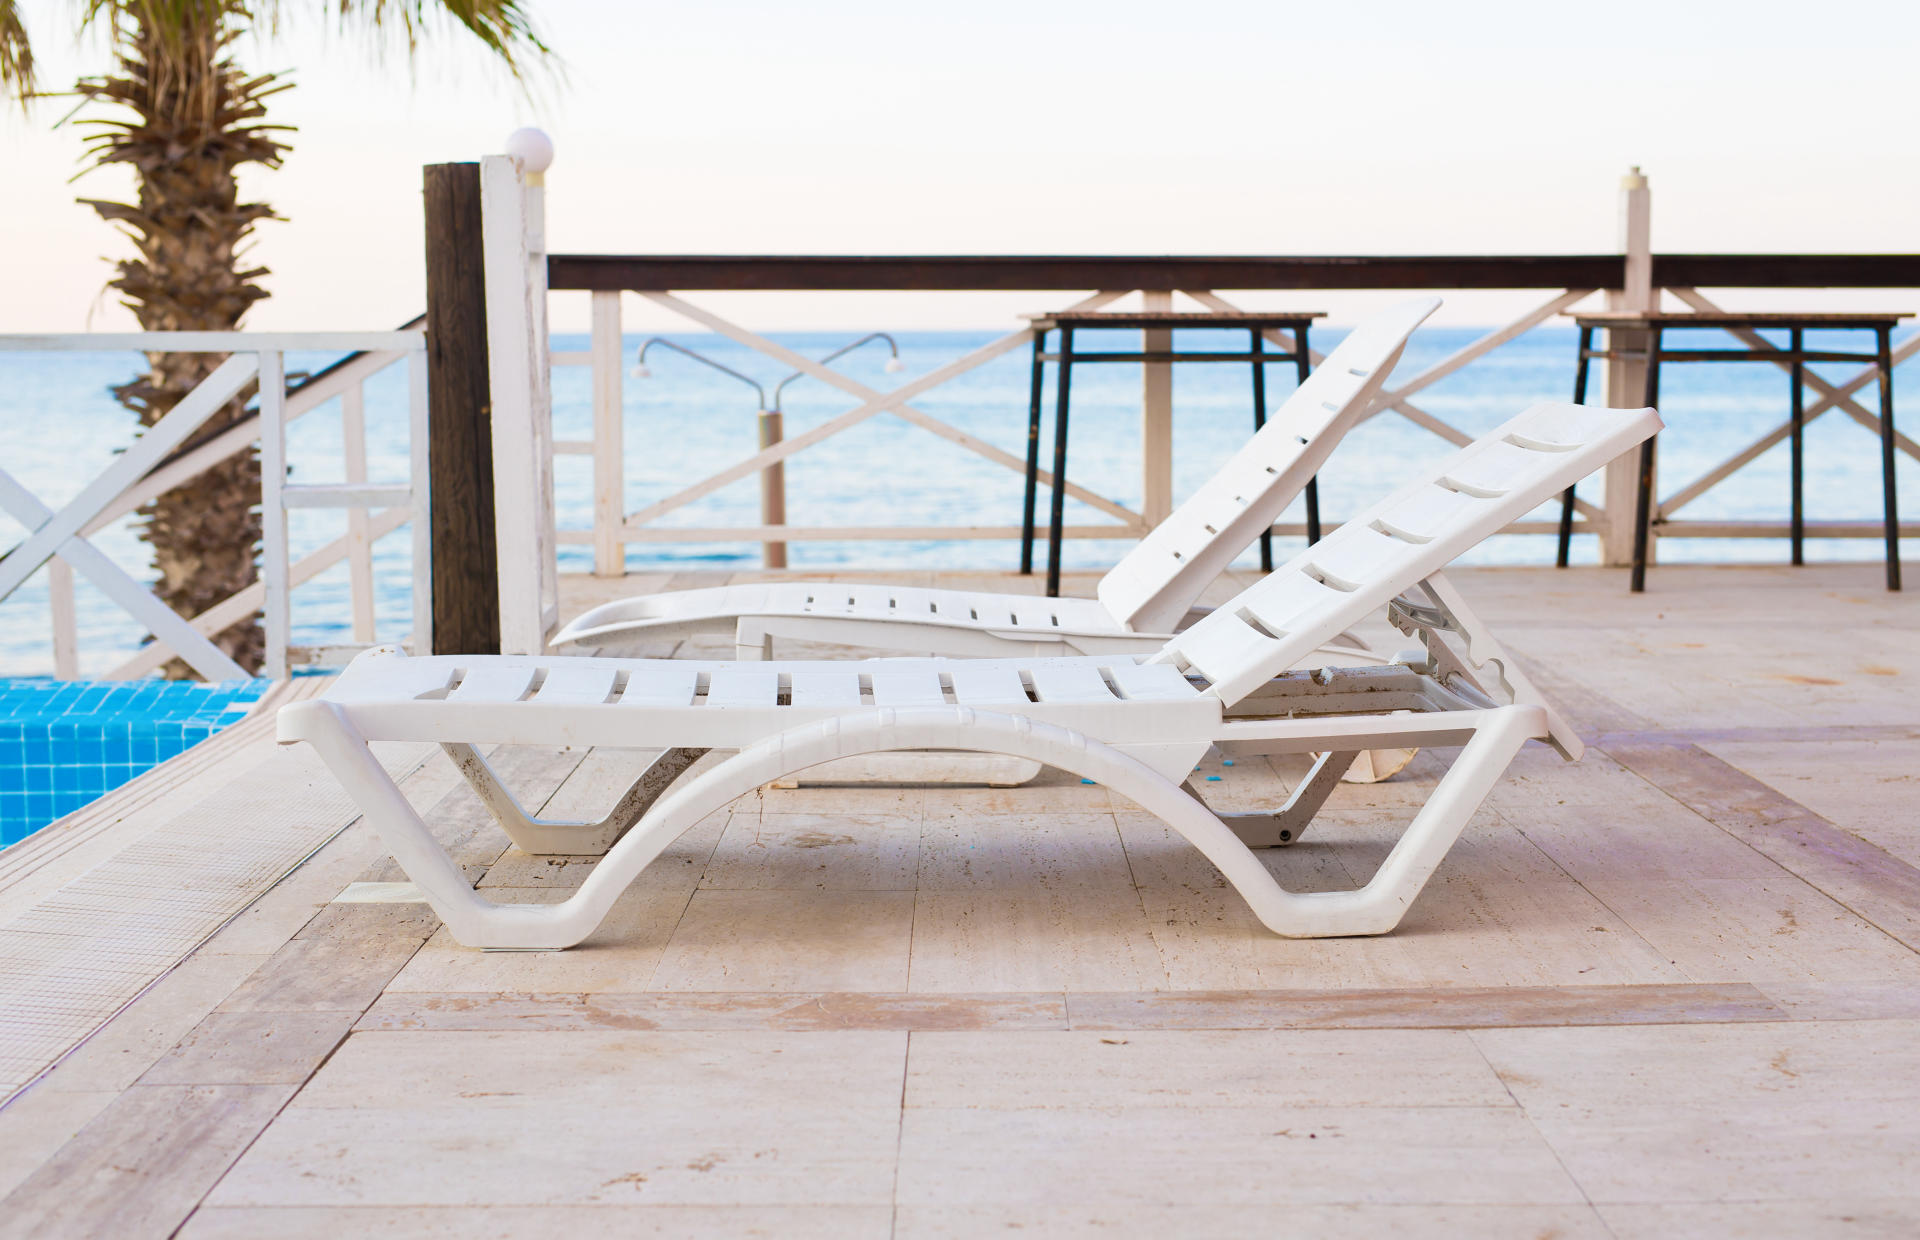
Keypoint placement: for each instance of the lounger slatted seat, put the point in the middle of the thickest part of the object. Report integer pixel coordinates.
(1137, 725)
(1136, 605)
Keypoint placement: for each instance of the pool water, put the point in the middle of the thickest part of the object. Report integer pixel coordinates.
(66, 743)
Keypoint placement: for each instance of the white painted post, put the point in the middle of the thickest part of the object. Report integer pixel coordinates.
(522, 426)
(609, 439)
(1627, 377)
(353, 433)
(534, 158)
(1636, 240)
(420, 496)
(773, 489)
(1156, 418)
(66, 637)
(275, 577)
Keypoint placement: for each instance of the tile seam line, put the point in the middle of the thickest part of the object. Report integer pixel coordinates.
(1545, 1143)
(899, 1136)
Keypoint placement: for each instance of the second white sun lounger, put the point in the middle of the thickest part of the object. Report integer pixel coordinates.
(1137, 604)
(1139, 727)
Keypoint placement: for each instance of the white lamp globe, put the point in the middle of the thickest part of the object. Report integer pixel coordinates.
(895, 365)
(532, 149)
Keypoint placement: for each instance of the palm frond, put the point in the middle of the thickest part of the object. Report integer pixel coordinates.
(503, 27)
(16, 53)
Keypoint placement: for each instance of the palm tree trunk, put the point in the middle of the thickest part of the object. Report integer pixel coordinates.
(195, 119)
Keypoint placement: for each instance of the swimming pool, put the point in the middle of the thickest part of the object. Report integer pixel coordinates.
(64, 743)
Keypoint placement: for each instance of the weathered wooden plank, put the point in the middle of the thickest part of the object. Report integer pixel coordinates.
(1865, 878)
(1420, 1008)
(140, 1166)
(807, 1012)
(1403, 1008)
(576, 1222)
(252, 1048)
(341, 962)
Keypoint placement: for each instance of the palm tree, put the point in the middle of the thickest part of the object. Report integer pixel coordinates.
(178, 109)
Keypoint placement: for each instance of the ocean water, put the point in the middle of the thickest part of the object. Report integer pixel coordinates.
(59, 427)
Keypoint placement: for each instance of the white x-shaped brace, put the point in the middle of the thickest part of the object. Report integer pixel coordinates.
(875, 402)
(61, 533)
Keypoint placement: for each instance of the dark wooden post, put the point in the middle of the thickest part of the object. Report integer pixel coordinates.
(466, 573)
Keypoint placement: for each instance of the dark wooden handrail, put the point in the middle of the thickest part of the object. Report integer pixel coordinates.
(1025, 273)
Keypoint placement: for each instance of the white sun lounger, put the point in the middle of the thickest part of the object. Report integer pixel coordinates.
(1137, 604)
(1137, 726)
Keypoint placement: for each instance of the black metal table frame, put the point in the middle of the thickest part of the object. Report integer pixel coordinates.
(1067, 357)
(1796, 356)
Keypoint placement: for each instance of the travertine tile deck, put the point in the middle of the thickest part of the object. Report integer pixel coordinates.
(1671, 991)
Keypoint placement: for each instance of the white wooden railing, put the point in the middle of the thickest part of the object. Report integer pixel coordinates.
(155, 463)
(1605, 511)
(613, 529)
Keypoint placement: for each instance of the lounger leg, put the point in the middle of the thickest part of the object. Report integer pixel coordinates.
(1374, 909)
(470, 917)
(751, 642)
(477, 922)
(554, 837)
(1287, 824)
(1386, 897)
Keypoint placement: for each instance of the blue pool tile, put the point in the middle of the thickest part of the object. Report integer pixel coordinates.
(63, 744)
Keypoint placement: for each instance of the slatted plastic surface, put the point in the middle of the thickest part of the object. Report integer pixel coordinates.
(1154, 585)
(1004, 613)
(493, 682)
(1070, 682)
(743, 686)
(576, 684)
(388, 680)
(1150, 682)
(987, 684)
(918, 686)
(660, 684)
(902, 603)
(1405, 538)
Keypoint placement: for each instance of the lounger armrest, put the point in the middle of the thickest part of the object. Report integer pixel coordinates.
(300, 721)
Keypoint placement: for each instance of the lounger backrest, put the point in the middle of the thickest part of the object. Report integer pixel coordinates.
(1158, 581)
(1393, 546)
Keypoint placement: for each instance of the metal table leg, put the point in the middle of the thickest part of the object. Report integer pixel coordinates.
(1059, 504)
(1303, 365)
(1033, 453)
(1885, 351)
(1579, 398)
(1260, 420)
(1643, 499)
(1798, 443)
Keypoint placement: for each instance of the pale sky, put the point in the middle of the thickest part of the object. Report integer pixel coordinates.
(853, 126)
